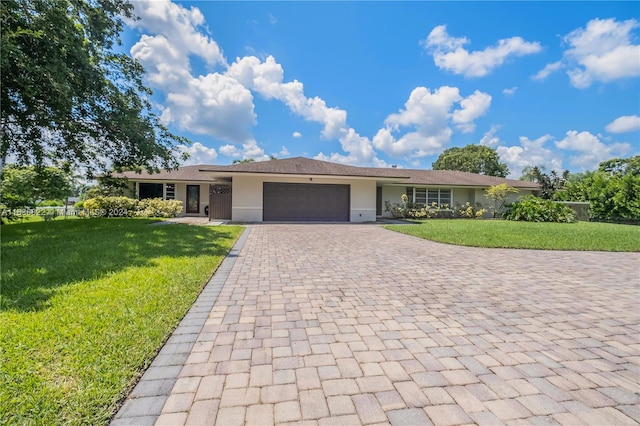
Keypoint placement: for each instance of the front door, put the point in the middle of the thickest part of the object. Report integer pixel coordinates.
(193, 198)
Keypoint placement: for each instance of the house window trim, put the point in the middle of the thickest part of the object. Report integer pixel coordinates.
(169, 191)
(411, 191)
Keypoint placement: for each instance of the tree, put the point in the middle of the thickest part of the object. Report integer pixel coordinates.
(499, 194)
(474, 159)
(246, 160)
(23, 187)
(107, 187)
(68, 96)
(613, 196)
(613, 191)
(549, 183)
(621, 166)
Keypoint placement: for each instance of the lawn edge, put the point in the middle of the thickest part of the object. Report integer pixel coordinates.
(213, 285)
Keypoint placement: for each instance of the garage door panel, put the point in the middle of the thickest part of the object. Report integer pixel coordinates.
(301, 202)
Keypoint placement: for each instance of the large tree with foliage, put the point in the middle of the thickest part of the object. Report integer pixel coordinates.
(474, 159)
(23, 187)
(68, 96)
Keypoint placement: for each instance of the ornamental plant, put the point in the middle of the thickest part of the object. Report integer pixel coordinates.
(534, 209)
(129, 207)
(469, 211)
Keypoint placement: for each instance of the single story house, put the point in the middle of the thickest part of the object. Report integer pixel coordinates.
(302, 189)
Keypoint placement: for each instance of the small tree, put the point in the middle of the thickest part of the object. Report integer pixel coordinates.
(499, 195)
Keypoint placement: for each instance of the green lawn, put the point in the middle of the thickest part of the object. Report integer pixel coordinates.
(85, 306)
(528, 235)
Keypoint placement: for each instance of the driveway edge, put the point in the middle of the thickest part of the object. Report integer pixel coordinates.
(144, 404)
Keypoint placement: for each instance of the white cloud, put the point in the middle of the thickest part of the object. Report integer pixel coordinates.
(588, 150)
(430, 115)
(582, 150)
(230, 151)
(510, 91)
(529, 153)
(449, 54)
(297, 135)
(211, 104)
(248, 150)
(473, 107)
(624, 124)
(602, 51)
(284, 152)
(182, 26)
(198, 154)
(267, 79)
(490, 138)
(547, 70)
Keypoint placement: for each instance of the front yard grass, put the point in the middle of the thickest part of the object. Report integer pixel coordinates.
(590, 236)
(86, 304)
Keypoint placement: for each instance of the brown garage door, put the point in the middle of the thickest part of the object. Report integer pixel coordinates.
(305, 201)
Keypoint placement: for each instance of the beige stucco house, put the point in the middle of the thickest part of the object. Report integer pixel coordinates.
(302, 189)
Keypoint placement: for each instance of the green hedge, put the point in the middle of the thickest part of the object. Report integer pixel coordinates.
(128, 207)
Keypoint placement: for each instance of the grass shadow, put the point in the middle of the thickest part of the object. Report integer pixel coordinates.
(38, 258)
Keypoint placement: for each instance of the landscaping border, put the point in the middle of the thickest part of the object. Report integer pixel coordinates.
(144, 404)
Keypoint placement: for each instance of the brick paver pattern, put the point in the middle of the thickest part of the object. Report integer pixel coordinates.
(355, 324)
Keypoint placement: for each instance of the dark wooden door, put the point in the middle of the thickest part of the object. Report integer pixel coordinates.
(220, 202)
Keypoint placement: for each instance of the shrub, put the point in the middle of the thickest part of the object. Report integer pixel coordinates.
(471, 212)
(416, 211)
(51, 203)
(534, 209)
(48, 214)
(157, 207)
(110, 207)
(129, 207)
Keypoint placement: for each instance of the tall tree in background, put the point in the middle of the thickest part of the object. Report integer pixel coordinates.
(550, 183)
(474, 159)
(68, 97)
(23, 187)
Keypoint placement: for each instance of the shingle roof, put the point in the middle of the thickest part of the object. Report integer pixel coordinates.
(185, 173)
(456, 178)
(307, 166)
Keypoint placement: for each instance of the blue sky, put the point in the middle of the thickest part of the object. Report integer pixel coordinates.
(553, 84)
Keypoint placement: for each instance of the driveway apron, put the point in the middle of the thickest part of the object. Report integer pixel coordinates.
(354, 324)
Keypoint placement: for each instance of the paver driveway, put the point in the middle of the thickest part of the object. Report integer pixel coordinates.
(355, 324)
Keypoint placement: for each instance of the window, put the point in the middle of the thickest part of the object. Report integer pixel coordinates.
(430, 197)
(170, 193)
(434, 197)
(445, 197)
(149, 190)
(409, 193)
